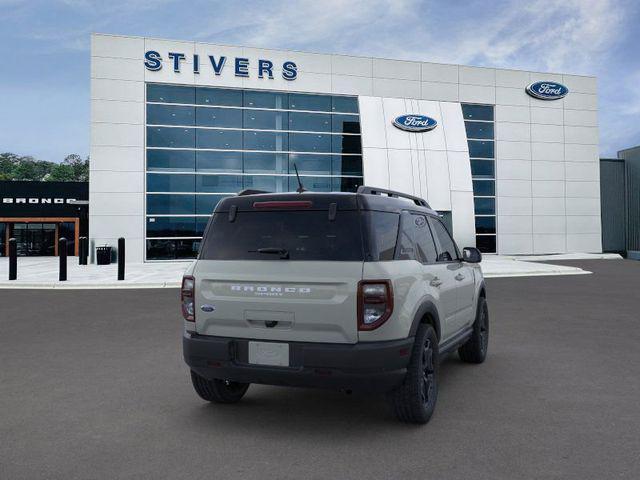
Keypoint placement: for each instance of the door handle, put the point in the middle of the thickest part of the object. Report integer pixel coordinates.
(436, 282)
(459, 277)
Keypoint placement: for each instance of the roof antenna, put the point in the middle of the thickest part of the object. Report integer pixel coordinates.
(300, 188)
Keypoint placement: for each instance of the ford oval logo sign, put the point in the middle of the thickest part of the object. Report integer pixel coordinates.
(547, 90)
(415, 123)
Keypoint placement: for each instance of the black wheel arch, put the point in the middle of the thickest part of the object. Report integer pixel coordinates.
(427, 313)
(482, 291)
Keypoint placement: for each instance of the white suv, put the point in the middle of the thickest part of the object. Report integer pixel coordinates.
(353, 291)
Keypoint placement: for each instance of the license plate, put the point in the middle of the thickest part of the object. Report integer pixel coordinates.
(269, 353)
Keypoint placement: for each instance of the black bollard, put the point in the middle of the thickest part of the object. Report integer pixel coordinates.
(85, 260)
(62, 253)
(121, 254)
(80, 250)
(13, 259)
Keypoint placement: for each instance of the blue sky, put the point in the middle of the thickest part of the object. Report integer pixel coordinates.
(44, 81)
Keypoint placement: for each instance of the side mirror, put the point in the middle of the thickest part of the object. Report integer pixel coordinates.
(471, 255)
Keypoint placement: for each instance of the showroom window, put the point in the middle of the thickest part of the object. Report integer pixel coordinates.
(480, 127)
(206, 143)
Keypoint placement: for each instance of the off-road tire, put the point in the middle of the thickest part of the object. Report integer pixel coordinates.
(415, 400)
(218, 391)
(474, 350)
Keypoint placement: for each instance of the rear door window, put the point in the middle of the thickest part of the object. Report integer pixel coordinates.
(267, 235)
(416, 242)
(446, 247)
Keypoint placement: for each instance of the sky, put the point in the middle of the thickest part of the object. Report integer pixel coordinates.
(44, 78)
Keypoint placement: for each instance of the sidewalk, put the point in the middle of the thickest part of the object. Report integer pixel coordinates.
(42, 272)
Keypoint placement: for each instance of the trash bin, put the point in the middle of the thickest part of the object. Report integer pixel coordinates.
(103, 255)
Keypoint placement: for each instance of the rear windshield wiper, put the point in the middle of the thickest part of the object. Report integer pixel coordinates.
(283, 252)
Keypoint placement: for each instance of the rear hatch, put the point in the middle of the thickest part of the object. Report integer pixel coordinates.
(281, 268)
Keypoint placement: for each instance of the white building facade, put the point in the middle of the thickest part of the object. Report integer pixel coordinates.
(177, 125)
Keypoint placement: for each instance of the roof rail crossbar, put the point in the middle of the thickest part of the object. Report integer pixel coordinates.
(392, 193)
(250, 191)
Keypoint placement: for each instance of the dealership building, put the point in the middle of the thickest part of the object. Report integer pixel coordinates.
(508, 157)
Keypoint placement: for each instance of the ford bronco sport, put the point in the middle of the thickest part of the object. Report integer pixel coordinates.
(352, 291)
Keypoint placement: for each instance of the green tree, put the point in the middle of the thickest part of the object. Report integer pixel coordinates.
(16, 167)
(61, 173)
(79, 166)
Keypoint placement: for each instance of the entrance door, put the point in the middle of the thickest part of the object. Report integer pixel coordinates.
(35, 239)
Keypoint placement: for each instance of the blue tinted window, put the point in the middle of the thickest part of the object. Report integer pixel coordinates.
(318, 164)
(219, 117)
(316, 103)
(313, 184)
(170, 182)
(172, 249)
(219, 96)
(174, 160)
(218, 183)
(260, 162)
(482, 168)
(169, 114)
(346, 184)
(347, 165)
(346, 144)
(477, 112)
(485, 224)
(171, 227)
(485, 206)
(170, 137)
(481, 149)
(170, 204)
(170, 94)
(205, 204)
(486, 243)
(218, 161)
(222, 139)
(310, 142)
(265, 141)
(484, 188)
(345, 124)
(345, 104)
(201, 225)
(310, 122)
(269, 183)
(479, 129)
(265, 120)
(258, 99)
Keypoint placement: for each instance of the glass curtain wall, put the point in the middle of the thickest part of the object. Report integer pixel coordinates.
(479, 124)
(204, 143)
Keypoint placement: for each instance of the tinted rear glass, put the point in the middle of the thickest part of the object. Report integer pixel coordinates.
(304, 235)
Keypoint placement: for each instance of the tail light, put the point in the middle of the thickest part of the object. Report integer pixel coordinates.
(187, 294)
(375, 303)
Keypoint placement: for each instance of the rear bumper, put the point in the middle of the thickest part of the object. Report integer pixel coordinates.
(374, 366)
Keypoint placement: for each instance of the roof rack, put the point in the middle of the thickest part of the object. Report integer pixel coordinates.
(392, 193)
(249, 191)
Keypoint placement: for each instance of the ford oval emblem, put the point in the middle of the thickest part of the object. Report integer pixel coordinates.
(547, 90)
(207, 308)
(415, 123)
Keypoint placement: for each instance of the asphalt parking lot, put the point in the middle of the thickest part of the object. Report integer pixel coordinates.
(92, 385)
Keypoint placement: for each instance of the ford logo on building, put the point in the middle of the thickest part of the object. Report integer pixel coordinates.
(547, 90)
(415, 123)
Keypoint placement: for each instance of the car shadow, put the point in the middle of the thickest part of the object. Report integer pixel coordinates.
(282, 410)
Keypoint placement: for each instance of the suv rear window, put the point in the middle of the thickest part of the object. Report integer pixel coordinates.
(266, 235)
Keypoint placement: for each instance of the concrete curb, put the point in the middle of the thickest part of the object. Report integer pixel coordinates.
(537, 274)
(86, 286)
